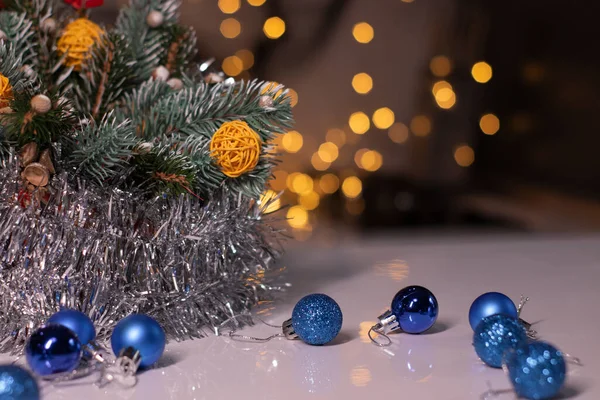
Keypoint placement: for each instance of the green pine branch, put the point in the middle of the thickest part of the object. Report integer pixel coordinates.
(18, 30)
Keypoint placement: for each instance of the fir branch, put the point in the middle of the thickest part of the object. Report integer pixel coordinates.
(10, 67)
(109, 56)
(19, 32)
(182, 49)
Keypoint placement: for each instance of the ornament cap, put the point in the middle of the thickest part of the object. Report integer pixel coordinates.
(387, 323)
(288, 330)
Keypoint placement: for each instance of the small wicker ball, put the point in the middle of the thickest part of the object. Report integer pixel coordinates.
(175, 83)
(41, 103)
(154, 19)
(6, 92)
(77, 40)
(160, 73)
(236, 148)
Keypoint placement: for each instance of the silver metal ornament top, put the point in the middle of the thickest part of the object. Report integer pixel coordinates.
(387, 323)
(288, 330)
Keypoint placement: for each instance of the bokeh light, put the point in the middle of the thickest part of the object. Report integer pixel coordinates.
(398, 133)
(230, 28)
(292, 141)
(420, 125)
(278, 182)
(267, 196)
(445, 98)
(439, 85)
(246, 56)
(355, 206)
(232, 65)
(489, 124)
(371, 160)
(328, 152)
(352, 187)
(336, 136)
(329, 183)
(464, 155)
(363, 32)
(318, 163)
(229, 6)
(301, 183)
(297, 217)
(383, 118)
(482, 72)
(256, 3)
(440, 66)
(309, 201)
(358, 157)
(359, 122)
(274, 27)
(362, 83)
(293, 95)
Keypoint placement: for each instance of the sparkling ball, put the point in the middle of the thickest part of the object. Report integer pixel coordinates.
(489, 304)
(317, 319)
(17, 384)
(495, 336)
(537, 370)
(142, 333)
(53, 349)
(160, 73)
(154, 19)
(41, 104)
(76, 321)
(415, 308)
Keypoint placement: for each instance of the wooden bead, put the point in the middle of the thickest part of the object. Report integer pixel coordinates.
(36, 174)
(46, 161)
(41, 104)
(160, 73)
(49, 25)
(29, 153)
(154, 19)
(175, 83)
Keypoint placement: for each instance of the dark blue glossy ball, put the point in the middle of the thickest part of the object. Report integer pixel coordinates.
(537, 371)
(17, 384)
(416, 309)
(489, 304)
(495, 336)
(142, 333)
(76, 321)
(317, 319)
(52, 349)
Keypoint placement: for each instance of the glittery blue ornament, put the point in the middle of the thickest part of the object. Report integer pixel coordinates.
(17, 384)
(143, 334)
(53, 349)
(415, 308)
(316, 319)
(495, 336)
(537, 370)
(490, 304)
(76, 321)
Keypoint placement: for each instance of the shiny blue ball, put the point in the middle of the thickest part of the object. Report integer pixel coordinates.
(537, 371)
(142, 333)
(17, 384)
(76, 321)
(52, 349)
(415, 308)
(317, 319)
(495, 336)
(490, 304)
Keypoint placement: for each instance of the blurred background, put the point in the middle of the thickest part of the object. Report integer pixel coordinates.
(420, 114)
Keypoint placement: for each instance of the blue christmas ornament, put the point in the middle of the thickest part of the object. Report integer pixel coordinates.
(142, 333)
(495, 336)
(52, 349)
(76, 321)
(415, 308)
(537, 370)
(316, 319)
(17, 384)
(490, 304)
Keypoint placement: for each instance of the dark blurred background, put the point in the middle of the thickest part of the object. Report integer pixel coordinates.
(421, 114)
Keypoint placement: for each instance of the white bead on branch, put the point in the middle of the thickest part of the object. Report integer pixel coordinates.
(175, 83)
(154, 19)
(160, 73)
(41, 104)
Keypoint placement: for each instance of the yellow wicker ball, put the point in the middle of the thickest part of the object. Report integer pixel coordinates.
(77, 40)
(6, 93)
(236, 148)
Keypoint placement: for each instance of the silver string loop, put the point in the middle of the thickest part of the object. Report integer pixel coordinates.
(247, 338)
(379, 333)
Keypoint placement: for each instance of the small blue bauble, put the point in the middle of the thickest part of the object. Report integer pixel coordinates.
(317, 319)
(52, 349)
(490, 304)
(17, 384)
(537, 371)
(76, 321)
(415, 308)
(495, 336)
(143, 334)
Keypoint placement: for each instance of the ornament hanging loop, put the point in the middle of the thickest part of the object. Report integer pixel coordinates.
(387, 323)
(123, 369)
(531, 333)
(379, 333)
(246, 338)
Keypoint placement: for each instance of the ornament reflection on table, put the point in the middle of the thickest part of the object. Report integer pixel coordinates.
(17, 384)
(495, 336)
(414, 310)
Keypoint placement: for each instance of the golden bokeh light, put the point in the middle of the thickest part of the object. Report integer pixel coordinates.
(289, 180)
(309, 201)
(269, 87)
(247, 58)
(329, 183)
(440, 66)
(533, 72)
(439, 85)
(445, 98)
(371, 160)
(267, 196)
(292, 141)
(229, 6)
(489, 124)
(383, 118)
(358, 157)
(301, 184)
(336, 136)
(359, 122)
(297, 217)
(398, 133)
(482, 72)
(355, 206)
(420, 125)
(363, 32)
(278, 182)
(318, 163)
(464, 155)
(274, 27)
(328, 152)
(362, 83)
(256, 3)
(232, 65)
(293, 95)
(360, 376)
(230, 28)
(352, 187)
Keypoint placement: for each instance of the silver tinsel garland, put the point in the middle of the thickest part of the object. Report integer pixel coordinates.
(109, 253)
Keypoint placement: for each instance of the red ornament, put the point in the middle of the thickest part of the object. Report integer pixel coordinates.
(78, 4)
(24, 198)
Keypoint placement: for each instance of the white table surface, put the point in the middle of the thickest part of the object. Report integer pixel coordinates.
(560, 274)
